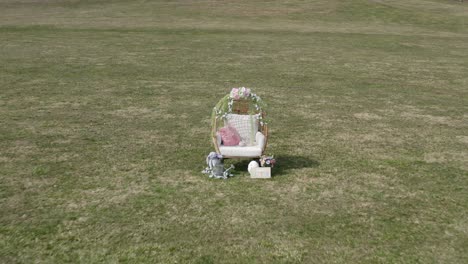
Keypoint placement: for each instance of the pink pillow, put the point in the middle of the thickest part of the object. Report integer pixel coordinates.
(229, 136)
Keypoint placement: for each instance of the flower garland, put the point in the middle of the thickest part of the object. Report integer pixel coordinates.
(267, 161)
(225, 106)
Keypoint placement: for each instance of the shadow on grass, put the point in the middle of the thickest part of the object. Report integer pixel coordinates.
(283, 163)
(290, 162)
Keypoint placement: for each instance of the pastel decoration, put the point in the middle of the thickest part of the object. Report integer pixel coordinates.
(229, 136)
(252, 165)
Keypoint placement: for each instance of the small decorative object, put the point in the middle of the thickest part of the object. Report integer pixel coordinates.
(217, 171)
(227, 174)
(252, 165)
(267, 161)
(260, 173)
(215, 167)
(229, 136)
(213, 159)
(240, 93)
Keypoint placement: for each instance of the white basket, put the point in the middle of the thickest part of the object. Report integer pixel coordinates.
(260, 173)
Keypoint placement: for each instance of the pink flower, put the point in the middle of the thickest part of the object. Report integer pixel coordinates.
(247, 92)
(235, 93)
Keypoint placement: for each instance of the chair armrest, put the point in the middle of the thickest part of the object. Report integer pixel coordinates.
(260, 139)
(218, 138)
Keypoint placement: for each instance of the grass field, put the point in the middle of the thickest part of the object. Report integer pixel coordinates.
(105, 120)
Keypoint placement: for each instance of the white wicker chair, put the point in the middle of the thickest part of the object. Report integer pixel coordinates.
(240, 107)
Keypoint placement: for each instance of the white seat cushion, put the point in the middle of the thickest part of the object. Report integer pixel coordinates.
(247, 151)
(236, 151)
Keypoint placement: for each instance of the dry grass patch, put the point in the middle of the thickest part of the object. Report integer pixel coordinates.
(367, 116)
(463, 139)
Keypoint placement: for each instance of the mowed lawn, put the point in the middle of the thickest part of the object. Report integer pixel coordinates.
(105, 119)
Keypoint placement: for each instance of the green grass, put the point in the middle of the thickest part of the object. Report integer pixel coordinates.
(105, 112)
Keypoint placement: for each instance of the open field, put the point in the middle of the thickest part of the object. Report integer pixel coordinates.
(104, 127)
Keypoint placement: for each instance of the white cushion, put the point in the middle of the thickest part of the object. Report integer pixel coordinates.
(243, 124)
(237, 151)
(260, 139)
(248, 151)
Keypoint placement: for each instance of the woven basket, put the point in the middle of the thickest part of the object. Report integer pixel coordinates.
(241, 107)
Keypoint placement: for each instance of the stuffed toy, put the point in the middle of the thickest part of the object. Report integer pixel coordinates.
(216, 167)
